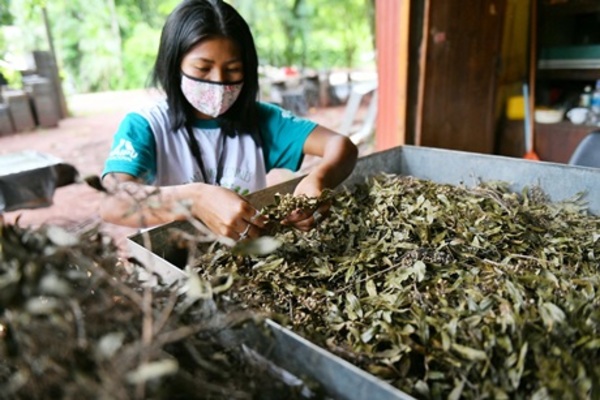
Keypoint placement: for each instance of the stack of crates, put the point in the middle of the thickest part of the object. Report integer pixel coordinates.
(46, 67)
(43, 100)
(19, 109)
(6, 125)
(38, 104)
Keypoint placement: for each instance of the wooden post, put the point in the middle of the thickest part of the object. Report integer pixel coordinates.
(392, 38)
(422, 74)
(532, 77)
(62, 106)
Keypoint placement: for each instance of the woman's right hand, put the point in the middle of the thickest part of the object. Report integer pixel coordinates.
(225, 212)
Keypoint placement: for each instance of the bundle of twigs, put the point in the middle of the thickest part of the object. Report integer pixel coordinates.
(76, 323)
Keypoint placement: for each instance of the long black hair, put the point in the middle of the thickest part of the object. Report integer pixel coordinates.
(189, 23)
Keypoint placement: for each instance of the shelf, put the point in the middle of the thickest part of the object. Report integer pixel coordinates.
(557, 142)
(569, 6)
(567, 40)
(564, 127)
(569, 74)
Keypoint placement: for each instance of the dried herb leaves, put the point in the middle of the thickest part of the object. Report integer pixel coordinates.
(442, 290)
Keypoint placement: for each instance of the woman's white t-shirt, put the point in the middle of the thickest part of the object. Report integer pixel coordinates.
(146, 147)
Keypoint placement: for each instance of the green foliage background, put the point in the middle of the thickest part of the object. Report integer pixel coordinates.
(111, 44)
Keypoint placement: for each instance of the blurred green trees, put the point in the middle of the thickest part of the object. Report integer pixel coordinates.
(111, 44)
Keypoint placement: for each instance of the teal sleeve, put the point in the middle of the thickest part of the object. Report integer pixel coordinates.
(283, 135)
(133, 150)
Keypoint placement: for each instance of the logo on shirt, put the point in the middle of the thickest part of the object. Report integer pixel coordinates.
(123, 151)
(286, 114)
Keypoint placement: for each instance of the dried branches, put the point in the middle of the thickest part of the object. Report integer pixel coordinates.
(75, 323)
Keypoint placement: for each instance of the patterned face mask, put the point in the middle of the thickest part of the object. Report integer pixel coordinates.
(208, 97)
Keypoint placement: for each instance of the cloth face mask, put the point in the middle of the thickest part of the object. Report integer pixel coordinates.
(208, 97)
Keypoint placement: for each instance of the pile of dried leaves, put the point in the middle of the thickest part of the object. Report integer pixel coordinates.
(75, 323)
(442, 290)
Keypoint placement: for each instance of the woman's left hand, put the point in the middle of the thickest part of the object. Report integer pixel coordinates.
(306, 219)
(338, 157)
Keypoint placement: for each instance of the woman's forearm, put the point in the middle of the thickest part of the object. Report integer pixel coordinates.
(133, 204)
(338, 161)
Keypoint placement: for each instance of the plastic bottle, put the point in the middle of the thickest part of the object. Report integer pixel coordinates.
(595, 104)
(585, 99)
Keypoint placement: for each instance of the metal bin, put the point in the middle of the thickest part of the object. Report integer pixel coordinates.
(342, 380)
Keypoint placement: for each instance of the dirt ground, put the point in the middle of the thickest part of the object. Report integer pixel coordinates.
(83, 141)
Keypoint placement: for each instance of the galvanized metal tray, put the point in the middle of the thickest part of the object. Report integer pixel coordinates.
(343, 380)
(287, 350)
(28, 179)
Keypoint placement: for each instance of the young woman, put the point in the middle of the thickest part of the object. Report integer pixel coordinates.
(210, 141)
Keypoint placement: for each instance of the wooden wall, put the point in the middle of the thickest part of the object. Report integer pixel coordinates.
(461, 74)
(464, 59)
